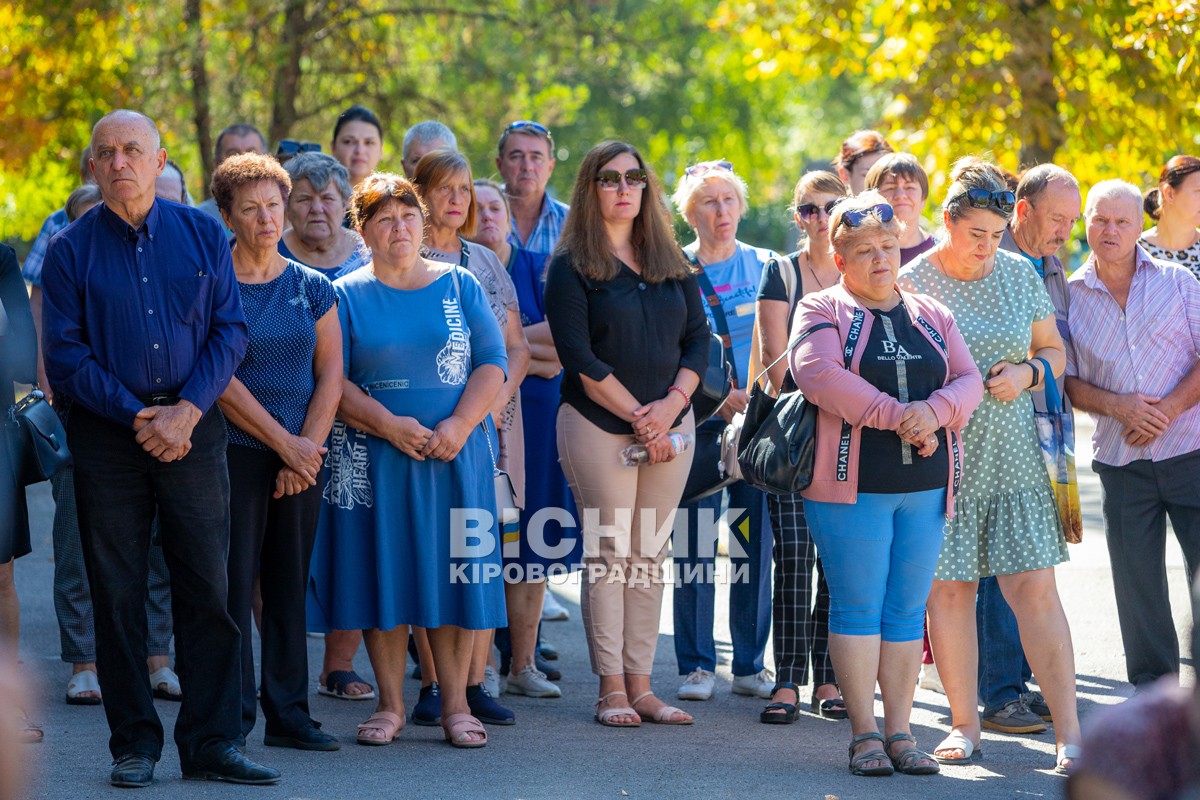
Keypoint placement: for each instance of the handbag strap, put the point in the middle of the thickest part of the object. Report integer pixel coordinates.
(1053, 398)
(792, 345)
(487, 438)
(718, 311)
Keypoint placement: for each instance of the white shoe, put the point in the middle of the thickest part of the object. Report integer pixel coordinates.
(698, 685)
(532, 683)
(491, 680)
(930, 680)
(552, 610)
(759, 684)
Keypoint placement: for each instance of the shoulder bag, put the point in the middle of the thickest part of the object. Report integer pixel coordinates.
(36, 440)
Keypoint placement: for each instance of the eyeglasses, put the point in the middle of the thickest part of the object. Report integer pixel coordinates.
(708, 166)
(610, 179)
(809, 210)
(1003, 200)
(854, 218)
(524, 124)
(291, 147)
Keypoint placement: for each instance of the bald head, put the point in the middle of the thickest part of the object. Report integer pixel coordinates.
(125, 116)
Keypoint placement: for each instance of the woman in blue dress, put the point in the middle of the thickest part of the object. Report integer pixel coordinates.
(408, 533)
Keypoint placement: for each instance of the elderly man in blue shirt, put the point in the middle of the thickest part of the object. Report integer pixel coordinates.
(143, 329)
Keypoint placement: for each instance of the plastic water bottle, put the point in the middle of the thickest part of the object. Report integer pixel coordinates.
(636, 454)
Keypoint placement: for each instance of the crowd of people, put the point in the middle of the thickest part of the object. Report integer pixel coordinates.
(386, 406)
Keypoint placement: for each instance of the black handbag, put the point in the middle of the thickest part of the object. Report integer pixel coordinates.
(715, 383)
(36, 439)
(779, 437)
(708, 474)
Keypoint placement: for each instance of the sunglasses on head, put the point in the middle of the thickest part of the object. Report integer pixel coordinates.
(291, 147)
(610, 179)
(809, 210)
(852, 219)
(708, 166)
(527, 124)
(1002, 201)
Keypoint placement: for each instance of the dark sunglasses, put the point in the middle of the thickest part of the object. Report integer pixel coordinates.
(808, 210)
(610, 179)
(852, 219)
(1003, 201)
(290, 147)
(527, 124)
(708, 166)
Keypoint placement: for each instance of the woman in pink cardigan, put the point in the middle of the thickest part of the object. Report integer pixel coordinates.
(894, 382)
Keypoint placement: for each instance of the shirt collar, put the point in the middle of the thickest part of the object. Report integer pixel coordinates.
(1087, 273)
(124, 229)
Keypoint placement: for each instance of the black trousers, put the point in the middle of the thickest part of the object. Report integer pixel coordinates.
(119, 488)
(1138, 498)
(271, 539)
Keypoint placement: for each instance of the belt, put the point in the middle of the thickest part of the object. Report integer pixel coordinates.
(159, 400)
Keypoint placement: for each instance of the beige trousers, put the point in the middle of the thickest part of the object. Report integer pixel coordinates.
(626, 514)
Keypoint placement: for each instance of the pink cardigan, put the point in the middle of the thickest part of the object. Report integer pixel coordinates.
(849, 403)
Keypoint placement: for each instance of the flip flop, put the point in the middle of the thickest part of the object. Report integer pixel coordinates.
(85, 681)
(457, 726)
(386, 722)
(956, 741)
(165, 684)
(336, 683)
(605, 717)
(664, 716)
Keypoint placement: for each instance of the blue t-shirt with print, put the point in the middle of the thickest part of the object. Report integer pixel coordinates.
(282, 317)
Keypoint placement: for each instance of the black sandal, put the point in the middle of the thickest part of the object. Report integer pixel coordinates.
(834, 708)
(778, 713)
(906, 762)
(856, 761)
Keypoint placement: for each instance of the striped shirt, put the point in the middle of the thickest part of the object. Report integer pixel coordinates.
(544, 236)
(1148, 348)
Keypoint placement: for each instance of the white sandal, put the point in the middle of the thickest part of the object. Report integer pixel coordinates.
(165, 684)
(1070, 752)
(84, 681)
(956, 741)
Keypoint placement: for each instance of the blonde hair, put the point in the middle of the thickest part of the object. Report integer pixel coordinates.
(685, 192)
(841, 236)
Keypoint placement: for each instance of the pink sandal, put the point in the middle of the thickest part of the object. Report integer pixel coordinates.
(667, 715)
(458, 726)
(386, 723)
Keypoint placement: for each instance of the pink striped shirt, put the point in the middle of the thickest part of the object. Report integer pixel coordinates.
(1148, 348)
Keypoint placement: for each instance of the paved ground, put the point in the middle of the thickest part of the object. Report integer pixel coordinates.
(557, 751)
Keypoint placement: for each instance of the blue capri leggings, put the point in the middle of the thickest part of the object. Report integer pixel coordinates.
(879, 556)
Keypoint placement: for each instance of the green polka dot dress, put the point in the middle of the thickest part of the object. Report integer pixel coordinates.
(1005, 519)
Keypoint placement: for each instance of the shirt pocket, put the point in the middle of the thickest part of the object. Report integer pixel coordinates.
(189, 298)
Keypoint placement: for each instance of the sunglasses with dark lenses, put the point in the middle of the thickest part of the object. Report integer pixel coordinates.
(291, 147)
(1003, 201)
(527, 124)
(809, 210)
(852, 219)
(610, 179)
(708, 166)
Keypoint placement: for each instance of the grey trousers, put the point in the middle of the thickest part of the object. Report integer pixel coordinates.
(1138, 498)
(72, 595)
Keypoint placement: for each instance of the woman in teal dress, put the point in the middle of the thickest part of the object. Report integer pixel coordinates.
(408, 533)
(1006, 519)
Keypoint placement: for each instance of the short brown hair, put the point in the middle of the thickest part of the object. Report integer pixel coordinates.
(859, 144)
(379, 189)
(243, 170)
(437, 168)
(899, 165)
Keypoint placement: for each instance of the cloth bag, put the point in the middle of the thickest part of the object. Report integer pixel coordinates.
(1056, 435)
(36, 440)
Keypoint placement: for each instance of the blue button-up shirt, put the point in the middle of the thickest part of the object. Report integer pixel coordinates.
(132, 313)
(545, 234)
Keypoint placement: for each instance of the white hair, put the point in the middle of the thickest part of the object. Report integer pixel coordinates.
(685, 193)
(426, 133)
(1112, 190)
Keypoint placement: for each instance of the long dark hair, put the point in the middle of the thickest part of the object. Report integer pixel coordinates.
(585, 238)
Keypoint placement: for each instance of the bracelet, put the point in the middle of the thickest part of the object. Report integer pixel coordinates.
(1036, 374)
(687, 401)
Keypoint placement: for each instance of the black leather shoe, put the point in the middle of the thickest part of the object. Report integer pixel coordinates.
(310, 737)
(232, 767)
(132, 771)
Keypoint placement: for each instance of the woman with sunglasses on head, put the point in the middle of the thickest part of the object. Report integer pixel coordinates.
(1174, 205)
(627, 318)
(1006, 519)
(800, 603)
(712, 198)
(894, 383)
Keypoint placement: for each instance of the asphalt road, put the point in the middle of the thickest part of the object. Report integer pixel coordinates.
(556, 750)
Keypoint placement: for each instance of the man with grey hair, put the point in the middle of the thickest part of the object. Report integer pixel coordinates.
(143, 331)
(1047, 209)
(1132, 364)
(422, 138)
(238, 138)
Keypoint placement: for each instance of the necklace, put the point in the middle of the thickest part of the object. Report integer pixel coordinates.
(813, 272)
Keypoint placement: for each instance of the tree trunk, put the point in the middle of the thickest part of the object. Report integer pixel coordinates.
(1042, 131)
(201, 113)
(292, 44)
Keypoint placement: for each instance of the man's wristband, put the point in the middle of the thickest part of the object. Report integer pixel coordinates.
(687, 401)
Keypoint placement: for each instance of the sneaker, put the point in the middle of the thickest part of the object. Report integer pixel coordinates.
(930, 679)
(532, 682)
(1036, 703)
(491, 680)
(1015, 717)
(698, 685)
(552, 610)
(760, 684)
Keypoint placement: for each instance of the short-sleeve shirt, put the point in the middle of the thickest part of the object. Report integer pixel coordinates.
(282, 315)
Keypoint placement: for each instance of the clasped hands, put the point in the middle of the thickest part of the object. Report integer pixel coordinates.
(918, 426)
(652, 424)
(165, 432)
(417, 442)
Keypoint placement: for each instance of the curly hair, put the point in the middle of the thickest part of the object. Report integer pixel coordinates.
(244, 170)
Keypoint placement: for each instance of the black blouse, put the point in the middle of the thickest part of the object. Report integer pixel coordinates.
(642, 333)
(18, 340)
